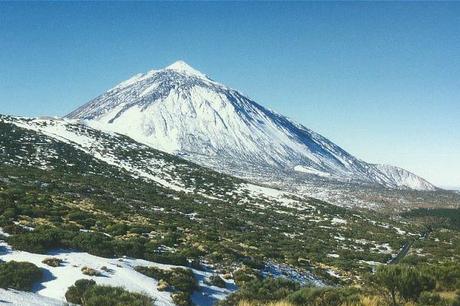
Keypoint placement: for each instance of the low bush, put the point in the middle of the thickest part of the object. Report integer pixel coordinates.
(106, 269)
(19, 275)
(40, 240)
(134, 247)
(13, 229)
(245, 275)
(325, 296)
(88, 293)
(167, 258)
(216, 280)
(90, 271)
(75, 292)
(163, 285)
(94, 243)
(78, 216)
(262, 291)
(52, 261)
(402, 283)
(181, 298)
(114, 296)
(117, 229)
(43, 239)
(431, 299)
(181, 281)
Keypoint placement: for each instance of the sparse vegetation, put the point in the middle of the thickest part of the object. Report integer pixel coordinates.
(437, 217)
(121, 215)
(91, 206)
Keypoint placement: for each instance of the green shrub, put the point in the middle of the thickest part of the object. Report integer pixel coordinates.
(456, 302)
(163, 285)
(181, 281)
(78, 216)
(181, 299)
(430, 299)
(13, 229)
(139, 230)
(325, 296)
(19, 275)
(90, 271)
(94, 243)
(114, 296)
(117, 229)
(447, 275)
(40, 240)
(75, 292)
(262, 291)
(52, 261)
(245, 275)
(134, 247)
(216, 280)
(305, 296)
(403, 282)
(43, 239)
(167, 258)
(253, 263)
(87, 293)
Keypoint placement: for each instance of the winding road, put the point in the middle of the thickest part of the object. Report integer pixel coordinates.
(406, 247)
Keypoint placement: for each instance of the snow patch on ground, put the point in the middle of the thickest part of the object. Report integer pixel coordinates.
(21, 298)
(303, 169)
(336, 221)
(279, 270)
(121, 273)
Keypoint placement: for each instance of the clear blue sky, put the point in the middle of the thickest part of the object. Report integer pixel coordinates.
(380, 79)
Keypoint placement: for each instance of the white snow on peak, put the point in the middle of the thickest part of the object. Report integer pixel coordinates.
(181, 66)
(178, 66)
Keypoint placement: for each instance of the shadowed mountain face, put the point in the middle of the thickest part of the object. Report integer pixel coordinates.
(180, 110)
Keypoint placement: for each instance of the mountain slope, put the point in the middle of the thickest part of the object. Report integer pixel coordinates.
(141, 202)
(181, 111)
(103, 201)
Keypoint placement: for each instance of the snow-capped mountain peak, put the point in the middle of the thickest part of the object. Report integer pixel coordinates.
(183, 67)
(179, 110)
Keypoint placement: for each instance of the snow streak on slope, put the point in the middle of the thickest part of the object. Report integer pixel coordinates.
(105, 148)
(179, 110)
(142, 161)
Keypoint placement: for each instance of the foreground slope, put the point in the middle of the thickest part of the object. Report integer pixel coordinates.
(66, 186)
(179, 110)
